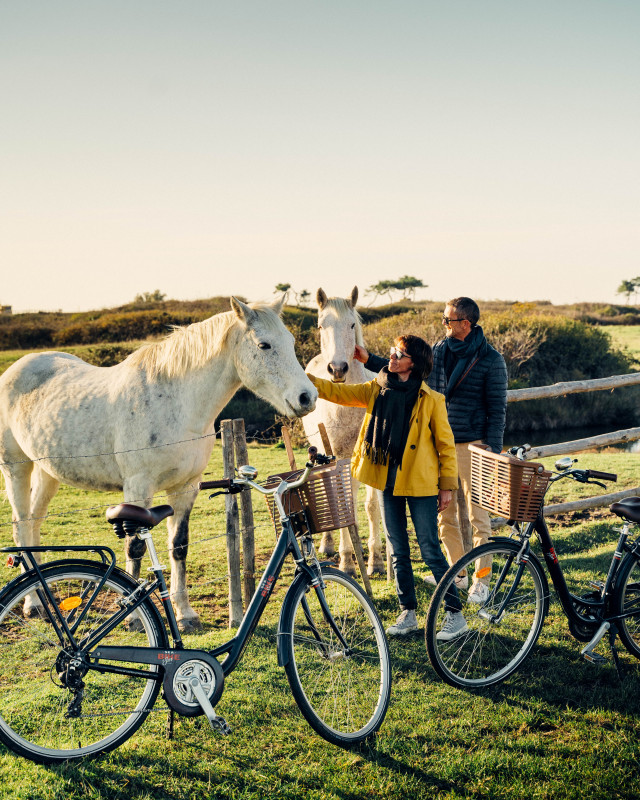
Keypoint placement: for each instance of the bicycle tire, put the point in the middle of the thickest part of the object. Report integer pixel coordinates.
(40, 718)
(489, 650)
(627, 598)
(343, 696)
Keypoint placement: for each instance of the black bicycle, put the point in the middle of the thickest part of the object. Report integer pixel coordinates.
(502, 623)
(81, 675)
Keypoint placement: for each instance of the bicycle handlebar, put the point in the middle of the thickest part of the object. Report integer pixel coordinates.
(603, 476)
(237, 484)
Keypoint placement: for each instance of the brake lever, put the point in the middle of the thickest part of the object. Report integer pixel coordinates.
(231, 490)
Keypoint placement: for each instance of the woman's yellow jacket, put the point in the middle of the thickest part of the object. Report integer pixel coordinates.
(429, 459)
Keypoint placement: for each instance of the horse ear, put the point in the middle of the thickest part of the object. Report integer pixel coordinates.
(321, 299)
(279, 304)
(243, 311)
(354, 296)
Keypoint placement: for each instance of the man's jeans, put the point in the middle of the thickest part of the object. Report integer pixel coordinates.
(424, 515)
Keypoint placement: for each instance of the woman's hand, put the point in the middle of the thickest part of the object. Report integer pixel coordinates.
(361, 354)
(444, 498)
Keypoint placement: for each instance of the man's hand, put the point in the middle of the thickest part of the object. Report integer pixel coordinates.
(361, 354)
(444, 498)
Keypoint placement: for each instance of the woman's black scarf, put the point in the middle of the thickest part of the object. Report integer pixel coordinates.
(462, 353)
(388, 428)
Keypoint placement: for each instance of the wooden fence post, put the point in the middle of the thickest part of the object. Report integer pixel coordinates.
(233, 533)
(246, 513)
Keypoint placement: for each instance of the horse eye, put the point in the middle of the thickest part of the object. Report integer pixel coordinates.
(264, 346)
(353, 326)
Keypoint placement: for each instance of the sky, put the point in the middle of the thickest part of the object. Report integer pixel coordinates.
(200, 147)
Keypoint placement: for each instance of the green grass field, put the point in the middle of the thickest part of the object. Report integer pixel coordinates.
(626, 337)
(559, 728)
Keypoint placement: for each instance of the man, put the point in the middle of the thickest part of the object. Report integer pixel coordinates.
(472, 376)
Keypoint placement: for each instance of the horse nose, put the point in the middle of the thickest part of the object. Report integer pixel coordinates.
(305, 400)
(338, 369)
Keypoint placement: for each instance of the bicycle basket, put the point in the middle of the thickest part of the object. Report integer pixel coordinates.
(327, 497)
(505, 485)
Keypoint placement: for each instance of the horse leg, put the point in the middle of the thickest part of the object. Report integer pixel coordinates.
(327, 547)
(17, 479)
(375, 565)
(178, 529)
(347, 556)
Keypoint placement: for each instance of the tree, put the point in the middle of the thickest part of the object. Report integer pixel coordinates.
(283, 288)
(150, 297)
(628, 287)
(303, 297)
(407, 284)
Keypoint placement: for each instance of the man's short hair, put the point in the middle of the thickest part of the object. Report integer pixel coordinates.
(466, 308)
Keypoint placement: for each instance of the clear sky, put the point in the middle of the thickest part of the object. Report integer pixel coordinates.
(202, 147)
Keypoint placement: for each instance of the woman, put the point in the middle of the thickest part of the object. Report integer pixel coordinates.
(405, 447)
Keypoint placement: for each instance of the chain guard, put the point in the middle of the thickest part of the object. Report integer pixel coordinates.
(179, 695)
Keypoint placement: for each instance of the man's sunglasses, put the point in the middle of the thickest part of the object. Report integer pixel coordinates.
(449, 320)
(397, 353)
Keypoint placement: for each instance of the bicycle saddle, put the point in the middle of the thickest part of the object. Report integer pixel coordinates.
(629, 508)
(142, 517)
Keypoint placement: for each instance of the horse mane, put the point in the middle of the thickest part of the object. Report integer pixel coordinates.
(191, 347)
(341, 307)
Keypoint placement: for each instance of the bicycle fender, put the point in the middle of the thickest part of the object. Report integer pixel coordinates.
(285, 613)
(45, 568)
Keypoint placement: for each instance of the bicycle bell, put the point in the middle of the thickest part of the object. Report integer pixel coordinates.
(250, 473)
(564, 463)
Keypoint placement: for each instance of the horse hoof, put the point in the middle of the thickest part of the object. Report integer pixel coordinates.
(189, 625)
(376, 569)
(348, 569)
(134, 625)
(34, 611)
(327, 551)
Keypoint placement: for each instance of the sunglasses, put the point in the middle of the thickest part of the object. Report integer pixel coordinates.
(396, 352)
(449, 320)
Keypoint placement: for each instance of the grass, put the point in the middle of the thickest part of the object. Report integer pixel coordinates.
(626, 337)
(559, 728)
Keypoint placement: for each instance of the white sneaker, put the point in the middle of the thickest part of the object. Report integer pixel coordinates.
(406, 623)
(454, 625)
(479, 593)
(462, 581)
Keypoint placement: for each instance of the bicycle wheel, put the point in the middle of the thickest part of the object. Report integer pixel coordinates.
(343, 694)
(627, 600)
(49, 711)
(499, 633)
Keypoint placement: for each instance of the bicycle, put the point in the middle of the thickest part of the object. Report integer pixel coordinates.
(502, 630)
(81, 676)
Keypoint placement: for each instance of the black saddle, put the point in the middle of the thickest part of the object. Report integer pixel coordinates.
(629, 509)
(127, 518)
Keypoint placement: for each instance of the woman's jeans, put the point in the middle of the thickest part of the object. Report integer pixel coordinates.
(424, 515)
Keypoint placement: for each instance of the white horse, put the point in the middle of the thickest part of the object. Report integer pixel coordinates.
(340, 330)
(65, 421)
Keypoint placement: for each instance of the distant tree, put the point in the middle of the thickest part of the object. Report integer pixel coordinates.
(628, 288)
(150, 297)
(283, 288)
(407, 284)
(303, 297)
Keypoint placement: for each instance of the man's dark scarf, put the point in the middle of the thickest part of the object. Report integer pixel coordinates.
(388, 428)
(460, 355)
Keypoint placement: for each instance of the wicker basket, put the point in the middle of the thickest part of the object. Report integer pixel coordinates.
(506, 486)
(327, 497)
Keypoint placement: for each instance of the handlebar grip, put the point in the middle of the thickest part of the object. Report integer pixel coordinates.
(223, 483)
(603, 476)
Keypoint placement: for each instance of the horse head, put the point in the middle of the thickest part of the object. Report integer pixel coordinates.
(266, 362)
(340, 331)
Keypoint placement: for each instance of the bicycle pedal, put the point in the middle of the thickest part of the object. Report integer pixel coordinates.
(597, 585)
(220, 724)
(594, 658)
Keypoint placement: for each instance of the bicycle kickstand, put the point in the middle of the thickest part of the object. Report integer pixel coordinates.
(613, 631)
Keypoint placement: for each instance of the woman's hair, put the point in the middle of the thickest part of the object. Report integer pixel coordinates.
(420, 352)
